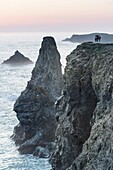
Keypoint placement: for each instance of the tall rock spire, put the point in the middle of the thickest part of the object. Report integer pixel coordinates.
(35, 106)
(47, 71)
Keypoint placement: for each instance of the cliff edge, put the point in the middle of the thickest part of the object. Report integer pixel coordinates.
(35, 106)
(84, 135)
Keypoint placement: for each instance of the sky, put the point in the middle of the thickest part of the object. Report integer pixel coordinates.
(56, 15)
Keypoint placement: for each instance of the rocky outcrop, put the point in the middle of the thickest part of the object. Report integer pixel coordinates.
(35, 106)
(105, 38)
(18, 59)
(84, 111)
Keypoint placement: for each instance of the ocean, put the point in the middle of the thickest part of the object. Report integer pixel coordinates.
(13, 80)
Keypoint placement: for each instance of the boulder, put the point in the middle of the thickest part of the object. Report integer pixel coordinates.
(35, 106)
(41, 152)
(18, 59)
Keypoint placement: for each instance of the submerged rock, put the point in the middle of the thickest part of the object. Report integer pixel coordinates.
(18, 59)
(35, 106)
(84, 112)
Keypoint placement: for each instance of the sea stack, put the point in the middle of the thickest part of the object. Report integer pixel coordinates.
(84, 135)
(18, 59)
(35, 106)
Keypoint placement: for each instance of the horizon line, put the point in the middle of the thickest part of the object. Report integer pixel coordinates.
(74, 32)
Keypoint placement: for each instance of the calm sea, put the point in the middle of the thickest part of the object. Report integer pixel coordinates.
(13, 81)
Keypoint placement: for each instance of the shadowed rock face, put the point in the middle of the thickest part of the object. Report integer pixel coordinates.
(87, 98)
(35, 106)
(18, 59)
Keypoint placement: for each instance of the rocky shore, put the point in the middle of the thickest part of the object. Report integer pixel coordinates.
(69, 115)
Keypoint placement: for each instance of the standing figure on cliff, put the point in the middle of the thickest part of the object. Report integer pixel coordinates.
(97, 38)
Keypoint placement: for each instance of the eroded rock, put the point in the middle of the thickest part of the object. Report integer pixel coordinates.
(35, 106)
(84, 113)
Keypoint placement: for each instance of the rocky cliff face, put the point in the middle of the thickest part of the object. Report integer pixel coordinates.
(84, 136)
(35, 106)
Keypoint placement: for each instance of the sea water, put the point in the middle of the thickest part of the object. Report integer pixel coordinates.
(13, 80)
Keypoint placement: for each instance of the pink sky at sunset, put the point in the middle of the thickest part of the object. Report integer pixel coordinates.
(56, 15)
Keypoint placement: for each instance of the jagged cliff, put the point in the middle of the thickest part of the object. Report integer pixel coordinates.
(84, 135)
(84, 127)
(35, 106)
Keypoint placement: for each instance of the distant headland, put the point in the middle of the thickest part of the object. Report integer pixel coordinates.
(79, 38)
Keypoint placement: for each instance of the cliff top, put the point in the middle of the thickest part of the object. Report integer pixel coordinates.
(49, 40)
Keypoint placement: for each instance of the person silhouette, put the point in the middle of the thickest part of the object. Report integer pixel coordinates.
(97, 38)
